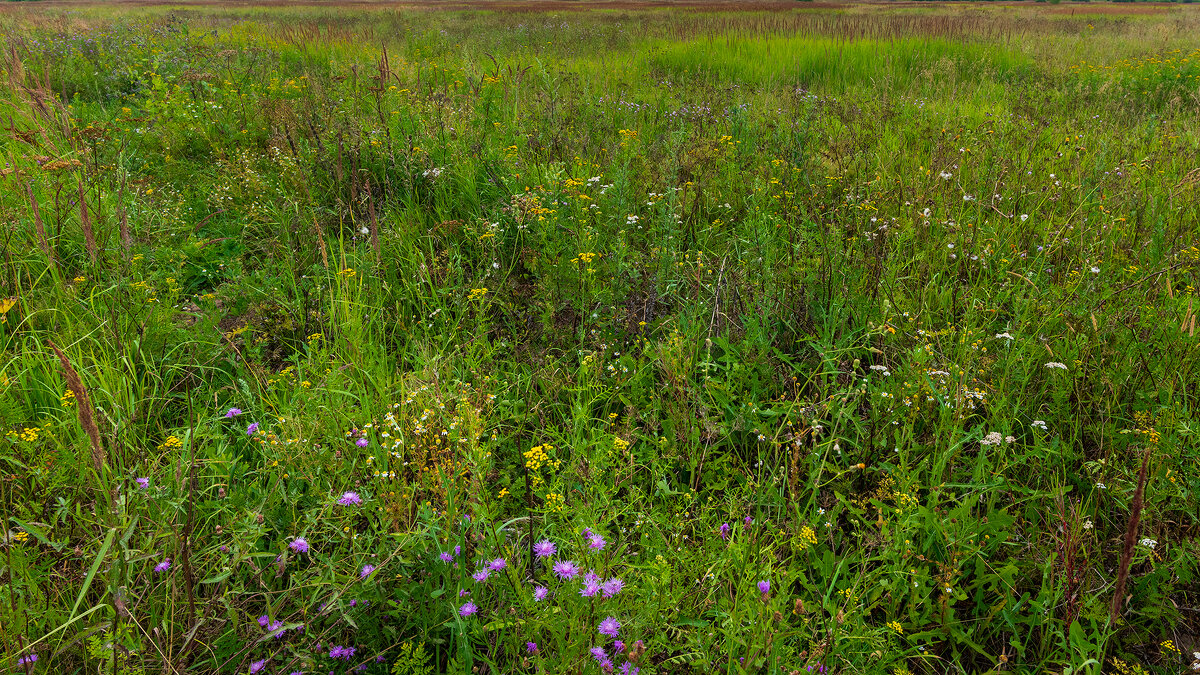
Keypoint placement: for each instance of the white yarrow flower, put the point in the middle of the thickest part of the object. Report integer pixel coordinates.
(1055, 364)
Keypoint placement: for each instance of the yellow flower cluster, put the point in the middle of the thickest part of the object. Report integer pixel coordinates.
(895, 625)
(536, 456)
(554, 502)
(28, 434)
(67, 399)
(478, 293)
(171, 443)
(808, 535)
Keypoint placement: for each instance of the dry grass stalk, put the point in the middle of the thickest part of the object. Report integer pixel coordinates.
(83, 406)
(85, 221)
(43, 241)
(1135, 515)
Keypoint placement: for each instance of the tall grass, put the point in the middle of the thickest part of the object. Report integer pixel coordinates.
(836, 336)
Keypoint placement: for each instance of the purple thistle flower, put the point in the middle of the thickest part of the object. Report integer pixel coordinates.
(350, 499)
(612, 587)
(258, 665)
(299, 545)
(366, 571)
(142, 483)
(591, 577)
(598, 653)
(362, 442)
(610, 627)
(468, 609)
(587, 533)
(457, 550)
(531, 647)
(590, 589)
(497, 564)
(724, 531)
(566, 570)
(446, 557)
(233, 412)
(251, 429)
(264, 620)
(481, 576)
(597, 543)
(629, 669)
(618, 646)
(163, 566)
(540, 593)
(462, 593)
(747, 522)
(26, 660)
(544, 548)
(764, 587)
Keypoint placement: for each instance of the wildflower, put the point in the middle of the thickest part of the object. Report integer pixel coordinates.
(724, 530)
(233, 412)
(601, 658)
(258, 665)
(143, 483)
(544, 548)
(764, 587)
(612, 587)
(338, 652)
(497, 564)
(566, 570)
(1101, 486)
(468, 609)
(531, 647)
(993, 438)
(1055, 364)
(1095, 270)
(1087, 524)
(1004, 335)
(1024, 217)
(747, 522)
(299, 545)
(264, 620)
(590, 588)
(628, 669)
(597, 543)
(251, 429)
(163, 566)
(610, 627)
(1039, 424)
(481, 576)
(1149, 543)
(362, 442)
(618, 646)
(366, 571)
(26, 660)
(350, 499)
(540, 593)
(446, 557)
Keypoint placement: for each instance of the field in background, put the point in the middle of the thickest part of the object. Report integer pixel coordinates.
(805, 338)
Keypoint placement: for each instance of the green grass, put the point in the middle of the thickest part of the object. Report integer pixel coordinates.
(902, 297)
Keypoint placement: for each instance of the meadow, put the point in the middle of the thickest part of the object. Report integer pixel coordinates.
(795, 338)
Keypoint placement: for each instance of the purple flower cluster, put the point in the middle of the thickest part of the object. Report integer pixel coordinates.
(299, 545)
(258, 665)
(610, 627)
(250, 430)
(142, 483)
(163, 566)
(233, 412)
(366, 571)
(344, 653)
(26, 660)
(566, 570)
(349, 499)
(468, 609)
(544, 549)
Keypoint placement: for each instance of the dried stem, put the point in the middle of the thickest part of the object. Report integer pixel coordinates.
(1135, 514)
(83, 406)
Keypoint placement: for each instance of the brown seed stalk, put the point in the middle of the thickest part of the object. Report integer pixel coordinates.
(1135, 514)
(87, 417)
